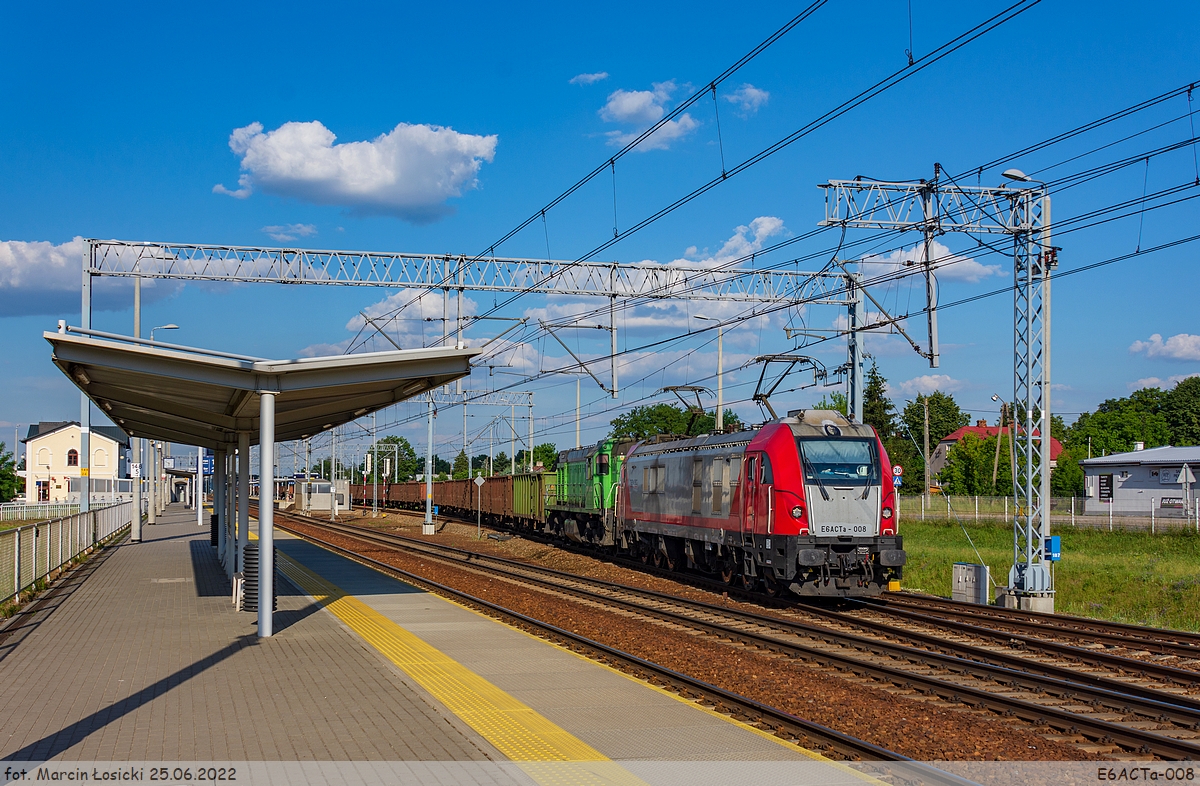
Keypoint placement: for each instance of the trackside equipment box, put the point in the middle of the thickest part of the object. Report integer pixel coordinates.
(971, 583)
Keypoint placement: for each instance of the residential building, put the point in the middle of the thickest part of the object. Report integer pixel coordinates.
(982, 430)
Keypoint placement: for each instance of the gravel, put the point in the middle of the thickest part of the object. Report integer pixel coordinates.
(922, 730)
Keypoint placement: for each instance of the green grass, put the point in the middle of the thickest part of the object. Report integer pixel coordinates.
(1128, 577)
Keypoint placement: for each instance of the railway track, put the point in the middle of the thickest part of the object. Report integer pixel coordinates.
(1088, 709)
(803, 732)
(1179, 644)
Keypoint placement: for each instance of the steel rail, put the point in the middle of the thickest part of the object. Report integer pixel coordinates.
(1129, 738)
(799, 728)
(1183, 643)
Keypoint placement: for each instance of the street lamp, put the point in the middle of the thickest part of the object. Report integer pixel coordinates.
(720, 361)
(170, 326)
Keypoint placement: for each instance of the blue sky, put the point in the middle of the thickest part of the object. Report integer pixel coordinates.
(119, 123)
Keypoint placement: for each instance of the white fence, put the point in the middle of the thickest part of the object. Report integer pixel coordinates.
(36, 511)
(32, 552)
(1064, 511)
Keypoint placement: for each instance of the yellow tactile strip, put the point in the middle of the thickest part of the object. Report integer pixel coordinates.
(523, 735)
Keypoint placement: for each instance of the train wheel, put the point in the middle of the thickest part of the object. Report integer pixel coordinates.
(728, 574)
(772, 586)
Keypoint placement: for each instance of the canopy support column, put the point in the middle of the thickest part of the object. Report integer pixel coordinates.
(243, 498)
(266, 512)
(219, 500)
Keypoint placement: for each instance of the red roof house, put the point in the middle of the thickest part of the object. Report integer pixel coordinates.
(982, 430)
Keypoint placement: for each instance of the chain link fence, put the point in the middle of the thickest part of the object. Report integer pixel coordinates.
(32, 552)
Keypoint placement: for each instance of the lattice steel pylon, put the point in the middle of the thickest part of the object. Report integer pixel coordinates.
(1023, 213)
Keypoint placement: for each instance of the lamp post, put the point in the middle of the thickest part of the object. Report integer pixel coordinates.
(720, 361)
(169, 326)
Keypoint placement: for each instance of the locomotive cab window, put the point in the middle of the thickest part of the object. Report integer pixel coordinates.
(765, 476)
(842, 462)
(602, 464)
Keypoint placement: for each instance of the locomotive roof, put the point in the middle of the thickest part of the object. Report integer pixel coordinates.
(825, 423)
(803, 423)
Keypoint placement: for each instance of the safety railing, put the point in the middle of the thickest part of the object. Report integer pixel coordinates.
(30, 553)
(36, 511)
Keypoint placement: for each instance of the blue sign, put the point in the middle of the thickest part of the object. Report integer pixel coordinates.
(208, 465)
(1053, 549)
(897, 481)
(435, 510)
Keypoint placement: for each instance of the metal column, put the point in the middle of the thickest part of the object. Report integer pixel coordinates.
(152, 477)
(856, 378)
(243, 498)
(266, 512)
(219, 500)
(85, 404)
(200, 487)
(427, 526)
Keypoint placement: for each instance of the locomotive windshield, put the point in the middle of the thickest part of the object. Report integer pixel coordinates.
(840, 462)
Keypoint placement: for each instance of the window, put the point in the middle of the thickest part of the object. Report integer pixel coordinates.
(99, 457)
(767, 476)
(842, 462)
(718, 486)
(72, 458)
(697, 484)
(43, 457)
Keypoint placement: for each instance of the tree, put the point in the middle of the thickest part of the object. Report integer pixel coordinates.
(547, 454)
(877, 407)
(502, 465)
(441, 466)
(1066, 479)
(1117, 424)
(654, 419)
(968, 468)
(10, 483)
(1181, 408)
(462, 466)
(835, 401)
(479, 463)
(408, 465)
(944, 417)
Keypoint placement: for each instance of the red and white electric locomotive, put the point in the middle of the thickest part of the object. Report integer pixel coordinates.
(804, 503)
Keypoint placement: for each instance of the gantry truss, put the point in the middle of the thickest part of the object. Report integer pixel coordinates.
(249, 264)
(933, 208)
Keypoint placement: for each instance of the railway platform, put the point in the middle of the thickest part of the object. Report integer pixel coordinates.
(140, 657)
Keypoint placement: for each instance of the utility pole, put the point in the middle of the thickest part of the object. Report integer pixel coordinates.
(135, 530)
(427, 527)
(512, 440)
(856, 379)
(926, 448)
(530, 454)
(374, 469)
(1021, 210)
(578, 380)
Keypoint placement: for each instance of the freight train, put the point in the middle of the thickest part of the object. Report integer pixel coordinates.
(803, 504)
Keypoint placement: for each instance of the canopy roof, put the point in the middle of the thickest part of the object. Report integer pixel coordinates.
(200, 397)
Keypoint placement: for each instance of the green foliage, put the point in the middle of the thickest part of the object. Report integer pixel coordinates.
(10, 483)
(462, 466)
(1182, 411)
(944, 417)
(971, 463)
(835, 401)
(1119, 422)
(653, 419)
(441, 466)
(479, 463)
(547, 454)
(1093, 580)
(1066, 479)
(502, 465)
(877, 407)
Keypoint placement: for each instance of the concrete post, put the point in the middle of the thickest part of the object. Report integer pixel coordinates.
(243, 498)
(135, 529)
(230, 511)
(266, 512)
(200, 486)
(427, 527)
(85, 404)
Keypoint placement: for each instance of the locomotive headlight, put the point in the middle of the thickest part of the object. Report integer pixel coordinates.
(887, 513)
(797, 512)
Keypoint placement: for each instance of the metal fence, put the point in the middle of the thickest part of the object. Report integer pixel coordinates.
(1064, 512)
(32, 552)
(36, 511)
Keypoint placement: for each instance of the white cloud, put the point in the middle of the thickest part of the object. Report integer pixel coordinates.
(928, 383)
(643, 108)
(949, 266)
(409, 172)
(588, 79)
(290, 231)
(1159, 382)
(39, 277)
(748, 98)
(1182, 346)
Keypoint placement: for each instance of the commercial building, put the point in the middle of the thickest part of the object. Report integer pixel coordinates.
(1133, 483)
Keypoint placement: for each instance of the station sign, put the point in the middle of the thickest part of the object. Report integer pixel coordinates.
(135, 469)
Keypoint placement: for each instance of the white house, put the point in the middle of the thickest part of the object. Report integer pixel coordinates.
(1133, 483)
(52, 472)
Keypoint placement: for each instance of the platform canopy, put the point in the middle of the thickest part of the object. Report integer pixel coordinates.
(200, 397)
